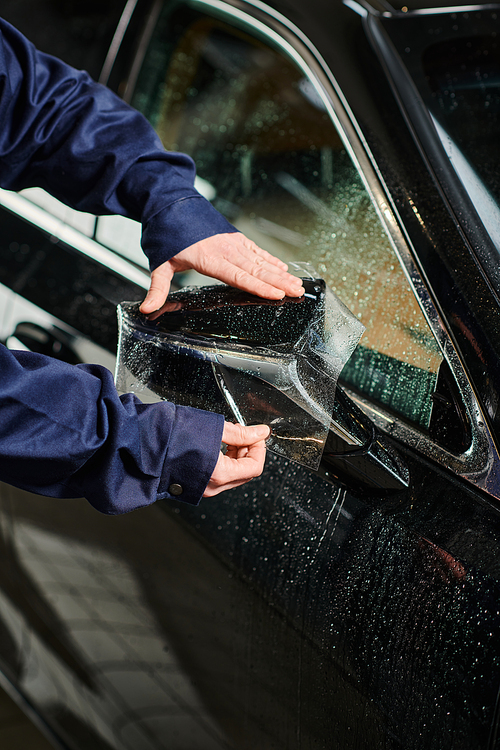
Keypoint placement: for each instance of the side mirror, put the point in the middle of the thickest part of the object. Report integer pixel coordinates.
(259, 361)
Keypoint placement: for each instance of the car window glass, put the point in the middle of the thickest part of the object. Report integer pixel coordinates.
(453, 60)
(260, 136)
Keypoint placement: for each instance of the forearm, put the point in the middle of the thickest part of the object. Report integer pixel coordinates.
(64, 432)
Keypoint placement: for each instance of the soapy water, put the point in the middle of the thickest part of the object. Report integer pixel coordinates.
(286, 381)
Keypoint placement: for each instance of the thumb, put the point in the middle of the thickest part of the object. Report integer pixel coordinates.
(158, 289)
(239, 435)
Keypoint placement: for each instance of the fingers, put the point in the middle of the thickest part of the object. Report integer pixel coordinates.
(159, 288)
(237, 261)
(233, 472)
(167, 307)
(259, 280)
(239, 435)
(252, 247)
(233, 259)
(263, 269)
(244, 459)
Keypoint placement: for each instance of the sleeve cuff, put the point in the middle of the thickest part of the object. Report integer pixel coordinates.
(192, 454)
(180, 225)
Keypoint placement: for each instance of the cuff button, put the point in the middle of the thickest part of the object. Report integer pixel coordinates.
(175, 489)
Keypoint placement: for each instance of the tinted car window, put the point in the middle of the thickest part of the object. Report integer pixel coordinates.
(261, 136)
(464, 79)
(453, 62)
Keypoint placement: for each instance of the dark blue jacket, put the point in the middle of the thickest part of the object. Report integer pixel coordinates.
(64, 432)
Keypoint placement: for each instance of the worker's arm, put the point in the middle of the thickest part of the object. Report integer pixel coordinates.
(65, 432)
(63, 132)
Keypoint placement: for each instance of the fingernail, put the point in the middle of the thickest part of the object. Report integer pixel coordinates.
(263, 431)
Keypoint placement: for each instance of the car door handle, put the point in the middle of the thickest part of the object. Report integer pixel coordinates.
(51, 342)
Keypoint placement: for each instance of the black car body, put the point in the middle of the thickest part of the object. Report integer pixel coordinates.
(309, 609)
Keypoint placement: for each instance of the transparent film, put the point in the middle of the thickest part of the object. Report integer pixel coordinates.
(253, 360)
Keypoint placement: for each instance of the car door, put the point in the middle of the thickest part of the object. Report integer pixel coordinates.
(306, 609)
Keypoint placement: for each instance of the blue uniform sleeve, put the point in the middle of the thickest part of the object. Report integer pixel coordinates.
(65, 432)
(63, 132)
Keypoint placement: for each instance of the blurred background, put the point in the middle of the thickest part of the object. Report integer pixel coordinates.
(78, 31)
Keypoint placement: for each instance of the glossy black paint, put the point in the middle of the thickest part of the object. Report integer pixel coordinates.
(227, 313)
(372, 610)
(396, 637)
(304, 610)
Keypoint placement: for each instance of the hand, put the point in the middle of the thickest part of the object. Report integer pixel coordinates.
(231, 258)
(244, 459)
